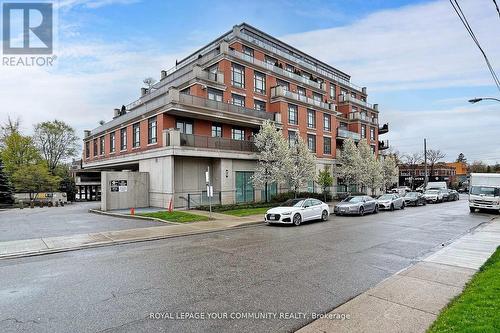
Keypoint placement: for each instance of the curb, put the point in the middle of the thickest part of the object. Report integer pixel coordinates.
(121, 242)
(138, 217)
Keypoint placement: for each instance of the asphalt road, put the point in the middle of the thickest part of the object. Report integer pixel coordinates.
(308, 269)
(71, 219)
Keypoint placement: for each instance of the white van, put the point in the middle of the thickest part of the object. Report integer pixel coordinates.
(484, 191)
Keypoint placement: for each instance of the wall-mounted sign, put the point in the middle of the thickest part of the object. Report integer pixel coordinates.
(118, 185)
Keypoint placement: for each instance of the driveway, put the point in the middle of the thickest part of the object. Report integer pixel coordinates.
(71, 219)
(273, 269)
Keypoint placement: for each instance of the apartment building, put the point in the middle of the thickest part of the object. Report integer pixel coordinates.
(205, 111)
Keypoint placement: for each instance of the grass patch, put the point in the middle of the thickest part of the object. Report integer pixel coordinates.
(477, 309)
(246, 211)
(179, 217)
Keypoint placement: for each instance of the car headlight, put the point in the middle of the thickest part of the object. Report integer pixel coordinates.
(286, 213)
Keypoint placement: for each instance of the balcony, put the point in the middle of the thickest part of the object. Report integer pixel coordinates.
(363, 117)
(280, 91)
(277, 70)
(383, 145)
(384, 129)
(349, 99)
(343, 133)
(199, 141)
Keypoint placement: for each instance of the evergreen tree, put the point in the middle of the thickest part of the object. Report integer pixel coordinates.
(6, 197)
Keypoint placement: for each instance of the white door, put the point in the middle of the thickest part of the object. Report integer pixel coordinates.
(308, 210)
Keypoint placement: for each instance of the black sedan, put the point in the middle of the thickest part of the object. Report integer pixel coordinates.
(414, 199)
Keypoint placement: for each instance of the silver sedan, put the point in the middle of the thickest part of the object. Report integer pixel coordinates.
(391, 202)
(357, 205)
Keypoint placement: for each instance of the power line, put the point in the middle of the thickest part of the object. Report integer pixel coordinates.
(496, 6)
(463, 18)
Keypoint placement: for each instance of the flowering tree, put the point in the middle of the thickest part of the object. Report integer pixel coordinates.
(371, 170)
(350, 163)
(389, 171)
(273, 156)
(303, 165)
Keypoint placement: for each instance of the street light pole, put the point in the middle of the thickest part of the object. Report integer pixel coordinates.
(475, 100)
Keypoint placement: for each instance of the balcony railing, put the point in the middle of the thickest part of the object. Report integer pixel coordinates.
(349, 99)
(299, 61)
(384, 144)
(200, 141)
(208, 103)
(363, 117)
(275, 69)
(280, 91)
(383, 129)
(345, 134)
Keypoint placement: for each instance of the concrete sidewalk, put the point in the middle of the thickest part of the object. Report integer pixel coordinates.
(410, 300)
(45, 245)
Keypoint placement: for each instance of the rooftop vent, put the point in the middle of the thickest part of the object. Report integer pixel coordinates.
(86, 133)
(163, 74)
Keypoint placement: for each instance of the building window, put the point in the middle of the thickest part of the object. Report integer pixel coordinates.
(215, 95)
(152, 136)
(259, 105)
(327, 145)
(292, 138)
(112, 142)
(289, 68)
(363, 131)
(248, 51)
(238, 75)
(343, 92)
(136, 134)
(353, 94)
(101, 145)
(311, 118)
(185, 126)
(87, 149)
(317, 97)
(95, 147)
(292, 114)
(214, 69)
(372, 133)
(327, 122)
(283, 84)
(186, 91)
(238, 100)
(123, 139)
(311, 142)
(259, 82)
(216, 130)
(301, 91)
(271, 61)
(237, 133)
(332, 91)
(343, 125)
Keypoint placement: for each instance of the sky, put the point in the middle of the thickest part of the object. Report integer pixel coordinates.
(415, 58)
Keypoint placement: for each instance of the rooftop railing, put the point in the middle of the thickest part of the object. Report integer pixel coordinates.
(363, 117)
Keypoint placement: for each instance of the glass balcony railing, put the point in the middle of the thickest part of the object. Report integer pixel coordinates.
(350, 99)
(201, 141)
(280, 91)
(363, 117)
(345, 134)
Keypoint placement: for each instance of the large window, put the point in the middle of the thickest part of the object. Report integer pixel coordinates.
(259, 105)
(215, 95)
(317, 97)
(327, 145)
(311, 118)
(87, 149)
(216, 130)
(292, 138)
(283, 84)
(259, 82)
(95, 147)
(152, 130)
(112, 142)
(185, 126)
(101, 145)
(332, 91)
(372, 133)
(271, 61)
(238, 76)
(289, 68)
(123, 138)
(237, 133)
(363, 131)
(238, 100)
(292, 114)
(248, 51)
(136, 134)
(301, 91)
(327, 122)
(311, 142)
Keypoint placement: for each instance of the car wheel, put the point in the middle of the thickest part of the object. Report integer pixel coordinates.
(403, 206)
(472, 209)
(375, 211)
(361, 211)
(392, 207)
(297, 219)
(324, 216)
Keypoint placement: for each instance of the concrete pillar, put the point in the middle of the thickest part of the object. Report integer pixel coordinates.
(227, 185)
(173, 95)
(174, 137)
(224, 47)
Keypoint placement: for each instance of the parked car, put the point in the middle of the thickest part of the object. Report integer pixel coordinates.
(390, 201)
(401, 190)
(445, 193)
(433, 196)
(356, 205)
(454, 196)
(297, 211)
(414, 199)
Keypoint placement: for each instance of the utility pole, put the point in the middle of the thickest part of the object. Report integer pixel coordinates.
(425, 163)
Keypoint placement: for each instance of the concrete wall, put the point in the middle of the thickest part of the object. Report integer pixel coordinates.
(135, 196)
(161, 179)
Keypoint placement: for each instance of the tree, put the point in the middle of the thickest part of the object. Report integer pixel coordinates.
(8, 128)
(434, 156)
(33, 179)
(389, 171)
(19, 150)
(461, 158)
(56, 141)
(325, 180)
(67, 182)
(371, 170)
(478, 167)
(6, 197)
(302, 167)
(412, 161)
(273, 156)
(350, 163)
